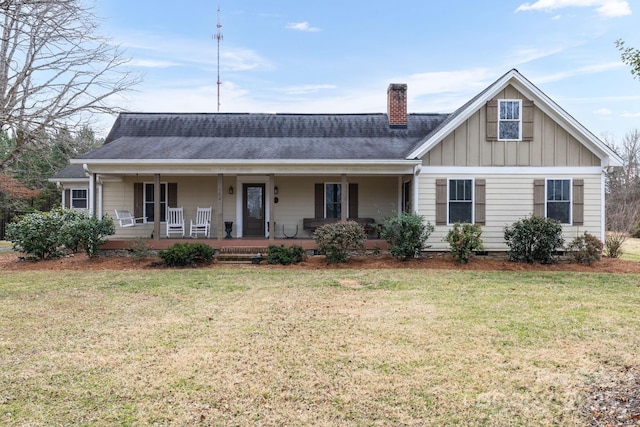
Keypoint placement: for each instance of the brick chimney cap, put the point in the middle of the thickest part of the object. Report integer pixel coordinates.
(397, 87)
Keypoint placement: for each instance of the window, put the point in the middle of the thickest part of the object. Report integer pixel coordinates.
(460, 201)
(509, 120)
(559, 200)
(78, 198)
(333, 201)
(149, 202)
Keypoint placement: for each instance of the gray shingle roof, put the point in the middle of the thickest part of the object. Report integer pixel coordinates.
(191, 136)
(70, 172)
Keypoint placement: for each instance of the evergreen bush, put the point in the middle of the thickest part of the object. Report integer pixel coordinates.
(285, 256)
(186, 254)
(463, 239)
(406, 234)
(585, 249)
(534, 239)
(339, 239)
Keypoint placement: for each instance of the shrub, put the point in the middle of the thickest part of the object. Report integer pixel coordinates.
(534, 239)
(285, 256)
(463, 240)
(37, 234)
(140, 248)
(85, 231)
(406, 234)
(184, 254)
(339, 239)
(585, 249)
(613, 243)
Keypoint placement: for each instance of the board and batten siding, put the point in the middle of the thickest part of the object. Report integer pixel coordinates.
(509, 198)
(551, 145)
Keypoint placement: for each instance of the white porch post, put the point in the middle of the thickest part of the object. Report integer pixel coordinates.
(272, 227)
(92, 194)
(219, 232)
(416, 189)
(344, 201)
(156, 206)
(400, 195)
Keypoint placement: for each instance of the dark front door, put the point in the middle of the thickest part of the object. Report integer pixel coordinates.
(253, 210)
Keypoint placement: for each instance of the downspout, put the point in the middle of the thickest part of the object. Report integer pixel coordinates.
(603, 209)
(92, 189)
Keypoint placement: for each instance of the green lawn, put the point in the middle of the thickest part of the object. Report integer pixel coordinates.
(245, 346)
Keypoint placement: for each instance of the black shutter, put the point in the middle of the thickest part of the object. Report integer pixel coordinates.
(353, 200)
(67, 198)
(172, 196)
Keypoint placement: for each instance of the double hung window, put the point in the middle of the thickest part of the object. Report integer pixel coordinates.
(559, 200)
(332, 200)
(149, 204)
(509, 120)
(78, 198)
(460, 201)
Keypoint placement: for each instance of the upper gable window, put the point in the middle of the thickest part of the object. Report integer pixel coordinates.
(509, 120)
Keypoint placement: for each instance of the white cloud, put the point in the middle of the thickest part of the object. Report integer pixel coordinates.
(588, 69)
(630, 115)
(603, 112)
(302, 26)
(605, 8)
(151, 63)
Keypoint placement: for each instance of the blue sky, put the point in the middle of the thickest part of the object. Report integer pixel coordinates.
(340, 56)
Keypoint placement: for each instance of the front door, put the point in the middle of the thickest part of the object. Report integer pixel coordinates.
(253, 210)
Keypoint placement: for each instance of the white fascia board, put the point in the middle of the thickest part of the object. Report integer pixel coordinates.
(194, 167)
(512, 170)
(69, 180)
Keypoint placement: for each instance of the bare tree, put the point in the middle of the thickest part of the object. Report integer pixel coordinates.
(623, 193)
(55, 71)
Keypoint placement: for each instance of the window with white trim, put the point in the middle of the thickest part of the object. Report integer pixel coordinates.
(332, 200)
(79, 198)
(559, 200)
(460, 201)
(509, 119)
(149, 204)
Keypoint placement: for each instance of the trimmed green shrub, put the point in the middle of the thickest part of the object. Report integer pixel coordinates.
(463, 239)
(339, 239)
(406, 234)
(86, 232)
(585, 249)
(186, 254)
(47, 234)
(37, 234)
(285, 256)
(534, 239)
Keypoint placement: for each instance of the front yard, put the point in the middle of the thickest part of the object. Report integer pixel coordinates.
(245, 345)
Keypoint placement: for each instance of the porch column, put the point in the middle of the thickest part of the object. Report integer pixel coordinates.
(344, 201)
(92, 194)
(220, 231)
(156, 206)
(272, 227)
(416, 189)
(400, 194)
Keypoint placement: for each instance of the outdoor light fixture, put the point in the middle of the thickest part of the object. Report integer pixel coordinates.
(275, 190)
(231, 189)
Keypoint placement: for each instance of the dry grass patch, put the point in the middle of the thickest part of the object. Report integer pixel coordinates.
(290, 347)
(631, 249)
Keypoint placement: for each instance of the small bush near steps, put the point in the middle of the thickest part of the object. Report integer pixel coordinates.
(285, 256)
(186, 254)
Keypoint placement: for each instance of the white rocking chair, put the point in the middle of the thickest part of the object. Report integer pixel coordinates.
(202, 223)
(125, 219)
(175, 221)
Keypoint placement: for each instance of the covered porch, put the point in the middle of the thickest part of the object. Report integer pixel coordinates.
(247, 202)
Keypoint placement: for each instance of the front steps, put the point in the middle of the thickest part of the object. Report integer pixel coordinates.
(242, 255)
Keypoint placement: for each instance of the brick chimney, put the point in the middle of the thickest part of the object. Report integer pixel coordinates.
(397, 105)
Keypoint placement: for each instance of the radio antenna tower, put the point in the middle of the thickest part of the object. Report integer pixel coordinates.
(218, 36)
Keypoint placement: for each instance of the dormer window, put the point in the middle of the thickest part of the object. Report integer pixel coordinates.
(509, 120)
